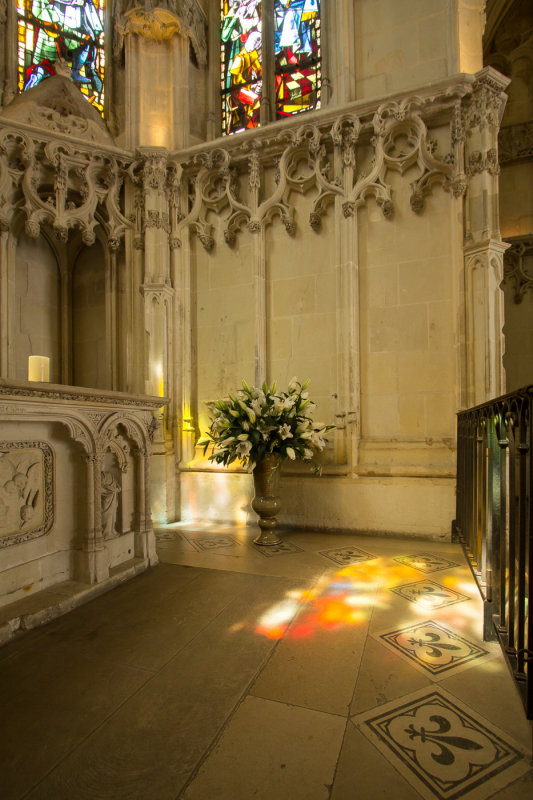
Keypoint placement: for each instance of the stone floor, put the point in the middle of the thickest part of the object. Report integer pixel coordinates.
(332, 667)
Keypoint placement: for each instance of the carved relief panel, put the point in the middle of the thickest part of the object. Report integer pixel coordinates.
(26, 491)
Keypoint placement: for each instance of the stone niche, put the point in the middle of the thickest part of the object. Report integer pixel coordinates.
(74, 496)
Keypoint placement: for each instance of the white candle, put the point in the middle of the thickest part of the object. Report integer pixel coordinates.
(39, 369)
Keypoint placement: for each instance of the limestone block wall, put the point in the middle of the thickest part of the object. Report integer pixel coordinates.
(397, 42)
(335, 250)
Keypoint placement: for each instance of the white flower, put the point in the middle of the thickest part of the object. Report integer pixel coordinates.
(291, 453)
(303, 426)
(308, 454)
(256, 406)
(245, 426)
(277, 405)
(285, 432)
(317, 440)
(243, 448)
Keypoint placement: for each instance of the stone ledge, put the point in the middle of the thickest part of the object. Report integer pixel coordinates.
(48, 604)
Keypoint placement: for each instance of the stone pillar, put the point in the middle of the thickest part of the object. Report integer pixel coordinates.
(4, 303)
(347, 437)
(156, 43)
(158, 295)
(483, 248)
(93, 562)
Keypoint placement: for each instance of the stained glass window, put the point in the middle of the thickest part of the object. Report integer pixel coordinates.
(295, 61)
(241, 43)
(49, 30)
(297, 52)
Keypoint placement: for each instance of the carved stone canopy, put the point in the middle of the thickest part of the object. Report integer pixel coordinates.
(161, 20)
(55, 104)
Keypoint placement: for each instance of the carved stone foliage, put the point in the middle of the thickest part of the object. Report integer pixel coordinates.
(479, 162)
(62, 185)
(348, 159)
(518, 265)
(485, 105)
(26, 491)
(515, 143)
(161, 20)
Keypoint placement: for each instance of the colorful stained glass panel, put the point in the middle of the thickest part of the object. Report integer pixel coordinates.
(241, 64)
(49, 30)
(297, 56)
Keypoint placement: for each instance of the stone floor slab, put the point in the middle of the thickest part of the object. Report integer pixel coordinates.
(363, 773)
(442, 747)
(271, 750)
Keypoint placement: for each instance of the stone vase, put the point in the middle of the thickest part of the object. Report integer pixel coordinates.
(266, 502)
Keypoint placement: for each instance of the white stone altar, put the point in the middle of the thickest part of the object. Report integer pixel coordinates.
(74, 495)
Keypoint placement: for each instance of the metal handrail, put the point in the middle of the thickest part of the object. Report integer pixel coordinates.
(494, 522)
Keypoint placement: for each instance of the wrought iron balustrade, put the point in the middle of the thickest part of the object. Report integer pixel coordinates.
(494, 522)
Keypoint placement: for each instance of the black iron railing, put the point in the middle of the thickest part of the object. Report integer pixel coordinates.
(494, 522)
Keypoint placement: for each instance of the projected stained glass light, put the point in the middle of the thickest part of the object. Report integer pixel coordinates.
(49, 30)
(241, 64)
(297, 56)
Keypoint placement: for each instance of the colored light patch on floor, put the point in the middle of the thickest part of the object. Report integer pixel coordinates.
(428, 594)
(433, 648)
(426, 562)
(340, 600)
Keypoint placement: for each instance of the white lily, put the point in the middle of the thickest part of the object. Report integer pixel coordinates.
(285, 432)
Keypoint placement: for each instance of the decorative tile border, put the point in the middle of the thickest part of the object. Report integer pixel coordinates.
(168, 536)
(444, 749)
(430, 595)
(436, 650)
(426, 562)
(346, 555)
(281, 549)
(212, 542)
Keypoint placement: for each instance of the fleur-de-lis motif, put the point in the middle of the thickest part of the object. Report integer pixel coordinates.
(431, 650)
(438, 737)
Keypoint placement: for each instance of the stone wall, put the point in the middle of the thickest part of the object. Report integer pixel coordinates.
(357, 245)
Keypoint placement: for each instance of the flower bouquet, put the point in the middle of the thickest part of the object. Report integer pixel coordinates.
(257, 422)
(261, 428)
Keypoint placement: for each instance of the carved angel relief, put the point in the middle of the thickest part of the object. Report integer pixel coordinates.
(26, 491)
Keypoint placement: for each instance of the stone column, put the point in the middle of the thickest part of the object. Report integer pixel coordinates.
(347, 438)
(157, 40)
(483, 248)
(93, 563)
(158, 295)
(4, 303)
